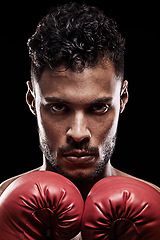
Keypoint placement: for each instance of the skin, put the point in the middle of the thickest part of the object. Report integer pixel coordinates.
(78, 112)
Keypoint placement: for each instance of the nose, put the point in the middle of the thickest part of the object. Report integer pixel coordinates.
(78, 130)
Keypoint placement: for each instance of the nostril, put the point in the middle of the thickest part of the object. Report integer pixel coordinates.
(78, 140)
(77, 144)
(85, 140)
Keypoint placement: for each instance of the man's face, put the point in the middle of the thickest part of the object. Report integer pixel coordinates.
(77, 115)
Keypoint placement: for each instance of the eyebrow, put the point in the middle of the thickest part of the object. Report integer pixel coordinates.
(100, 100)
(54, 99)
(59, 100)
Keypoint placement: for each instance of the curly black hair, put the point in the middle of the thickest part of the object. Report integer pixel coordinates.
(75, 37)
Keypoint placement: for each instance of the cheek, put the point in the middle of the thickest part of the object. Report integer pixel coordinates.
(105, 128)
(51, 131)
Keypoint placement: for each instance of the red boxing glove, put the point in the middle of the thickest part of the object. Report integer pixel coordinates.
(40, 205)
(121, 208)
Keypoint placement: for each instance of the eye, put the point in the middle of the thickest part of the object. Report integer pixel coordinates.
(59, 108)
(100, 108)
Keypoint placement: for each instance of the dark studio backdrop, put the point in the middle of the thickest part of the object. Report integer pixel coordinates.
(137, 148)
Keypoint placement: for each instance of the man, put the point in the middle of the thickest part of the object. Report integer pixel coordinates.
(77, 93)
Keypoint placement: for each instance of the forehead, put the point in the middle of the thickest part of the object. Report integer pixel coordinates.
(92, 83)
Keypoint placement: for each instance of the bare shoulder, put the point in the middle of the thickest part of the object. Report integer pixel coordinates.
(7, 182)
(120, 173)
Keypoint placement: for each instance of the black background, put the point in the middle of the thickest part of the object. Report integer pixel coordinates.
(137, 149)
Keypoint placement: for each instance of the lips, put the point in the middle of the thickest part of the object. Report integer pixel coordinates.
(78, 157)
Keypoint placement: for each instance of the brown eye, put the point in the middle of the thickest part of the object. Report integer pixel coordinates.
(59, 108)
(100, 108)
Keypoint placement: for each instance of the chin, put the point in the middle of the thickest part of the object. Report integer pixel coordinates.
(81, 173)
(80, 176)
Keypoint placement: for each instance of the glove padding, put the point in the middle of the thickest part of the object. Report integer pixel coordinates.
(121, 208)
(40, 205)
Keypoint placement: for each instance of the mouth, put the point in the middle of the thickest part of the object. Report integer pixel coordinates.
(79, 157)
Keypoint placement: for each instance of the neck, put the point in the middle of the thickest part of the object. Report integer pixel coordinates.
(84, 187)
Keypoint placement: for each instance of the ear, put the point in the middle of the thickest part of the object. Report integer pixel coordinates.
(124, 95)
(30, 98)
